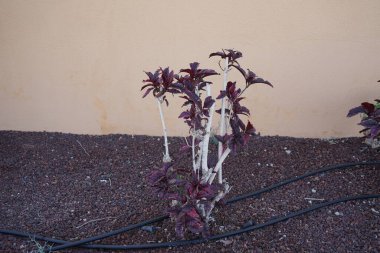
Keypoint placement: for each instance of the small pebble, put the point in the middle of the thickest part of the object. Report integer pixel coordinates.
(313, 190)
(150, 229)
(288, 152)
(338, 213)
(226, 242)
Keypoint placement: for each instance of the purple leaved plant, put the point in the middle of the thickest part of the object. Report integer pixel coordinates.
(370, 121)
(192, 193)
(159, 83)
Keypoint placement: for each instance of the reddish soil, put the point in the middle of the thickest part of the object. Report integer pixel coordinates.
(74, 186)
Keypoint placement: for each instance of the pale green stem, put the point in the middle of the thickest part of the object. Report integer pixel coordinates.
(218, 166)
(166, 155)
(222, 126)
(206, 138)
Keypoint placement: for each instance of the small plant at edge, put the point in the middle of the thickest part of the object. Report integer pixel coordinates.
(370, 120)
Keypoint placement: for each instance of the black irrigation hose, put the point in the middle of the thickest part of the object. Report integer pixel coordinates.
(68, 244)
(215, 237)
(235, 232)
(157, 219)
(230, 201)
(294, 179)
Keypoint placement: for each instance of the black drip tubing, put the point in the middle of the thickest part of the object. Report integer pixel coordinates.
(294, 179)
(67, 244)
(212, 238)
(235, 232)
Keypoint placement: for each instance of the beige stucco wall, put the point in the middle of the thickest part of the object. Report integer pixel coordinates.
(76, 65)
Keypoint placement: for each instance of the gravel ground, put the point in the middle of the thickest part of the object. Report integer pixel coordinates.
(70, 187)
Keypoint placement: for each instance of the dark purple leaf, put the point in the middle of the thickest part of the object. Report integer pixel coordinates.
(178, 86)
(192, 71)
(194, 66)
(147, 92)
(231, 87)
(146, 85)
(240, 123)
(167, 76)
(202, 85)
(222, 94)
(185, 115)
(153, 79)
(197, 190)
(233, 54)
(250, 77)
(241, 70)
(368, 122)
(249, 129)
(223, 139)
(208, 102)
(368, 107)
(223, 55)
(238, 109)
(198, 74)
(355, 110)
(375, 131)
(364, 130)
(205, 73)
(194, 98)
(220, 54)
(230, 53)
(260, 80)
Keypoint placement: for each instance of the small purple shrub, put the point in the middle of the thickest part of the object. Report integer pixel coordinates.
(192, 193)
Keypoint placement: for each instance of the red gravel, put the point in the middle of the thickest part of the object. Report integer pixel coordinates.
(52, 186)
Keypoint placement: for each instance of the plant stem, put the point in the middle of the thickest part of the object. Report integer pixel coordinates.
(193, 152)
(218, 166)
(221, 194)
(166, 157)
(222, 128)
(198, 163)
(206, 138)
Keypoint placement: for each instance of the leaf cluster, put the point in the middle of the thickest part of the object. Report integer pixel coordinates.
(370, 119)
(187, 192)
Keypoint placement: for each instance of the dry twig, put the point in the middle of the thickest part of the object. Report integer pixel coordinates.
(90, 221)
(80, 144)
